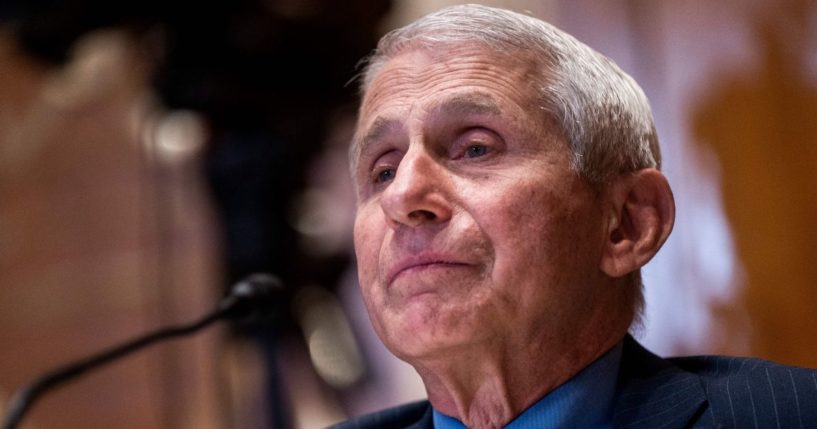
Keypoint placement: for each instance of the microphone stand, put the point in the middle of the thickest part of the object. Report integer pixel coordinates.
(237, 304)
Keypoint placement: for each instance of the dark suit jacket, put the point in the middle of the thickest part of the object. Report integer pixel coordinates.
(689, 392)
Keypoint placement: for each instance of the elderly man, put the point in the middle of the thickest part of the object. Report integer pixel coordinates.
(508, 194)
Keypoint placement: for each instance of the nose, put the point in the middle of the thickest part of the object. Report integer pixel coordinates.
(418, 194)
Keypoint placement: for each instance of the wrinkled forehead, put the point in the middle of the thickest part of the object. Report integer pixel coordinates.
(421, 73)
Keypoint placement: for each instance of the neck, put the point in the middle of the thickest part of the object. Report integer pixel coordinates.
(487, 387)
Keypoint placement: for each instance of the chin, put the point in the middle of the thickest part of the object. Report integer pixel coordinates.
(425, 333)
(418, 349)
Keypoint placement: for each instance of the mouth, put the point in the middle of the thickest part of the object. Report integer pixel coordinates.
(421, 264)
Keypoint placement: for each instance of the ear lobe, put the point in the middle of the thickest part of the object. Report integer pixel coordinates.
(641, 215)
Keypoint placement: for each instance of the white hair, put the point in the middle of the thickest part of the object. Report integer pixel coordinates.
(602, 112)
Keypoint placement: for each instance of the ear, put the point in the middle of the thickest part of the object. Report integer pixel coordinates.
(640, 214)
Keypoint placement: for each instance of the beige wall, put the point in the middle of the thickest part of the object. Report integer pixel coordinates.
(90, 228)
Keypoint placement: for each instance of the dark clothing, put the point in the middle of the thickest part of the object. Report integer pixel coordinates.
(687, 392)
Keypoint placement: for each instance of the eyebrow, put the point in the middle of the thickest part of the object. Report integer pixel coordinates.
(475, 104)
(470, 105)
(380, 127)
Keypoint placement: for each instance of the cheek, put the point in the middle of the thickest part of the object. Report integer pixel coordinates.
(365, 248)
(369, 233)
(526, 217)
(538, 233)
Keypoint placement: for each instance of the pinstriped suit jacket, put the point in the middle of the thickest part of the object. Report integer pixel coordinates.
(689, 392)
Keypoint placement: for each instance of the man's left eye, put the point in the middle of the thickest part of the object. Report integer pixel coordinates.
(476, 150)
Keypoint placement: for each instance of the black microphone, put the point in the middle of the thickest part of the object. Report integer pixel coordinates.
(251, 298)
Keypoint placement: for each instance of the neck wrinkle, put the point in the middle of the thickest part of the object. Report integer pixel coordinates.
(487, 388)
(488, 391)
(490, 394)
(479, 401)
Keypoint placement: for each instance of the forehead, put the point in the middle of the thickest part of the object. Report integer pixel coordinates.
(454, 80)
(421, 74)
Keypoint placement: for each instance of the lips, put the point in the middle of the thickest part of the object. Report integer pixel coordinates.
(420, 262)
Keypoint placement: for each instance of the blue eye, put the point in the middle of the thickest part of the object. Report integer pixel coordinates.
(385, 175)
(476, 150)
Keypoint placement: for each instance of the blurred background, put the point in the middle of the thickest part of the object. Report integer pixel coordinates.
(152, 154)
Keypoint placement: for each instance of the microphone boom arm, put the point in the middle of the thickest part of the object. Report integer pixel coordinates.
(237, 304)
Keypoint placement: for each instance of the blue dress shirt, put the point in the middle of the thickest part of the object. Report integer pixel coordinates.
(585, 401)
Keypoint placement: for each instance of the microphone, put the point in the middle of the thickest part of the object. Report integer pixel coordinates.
(254, 297)
(250, 298)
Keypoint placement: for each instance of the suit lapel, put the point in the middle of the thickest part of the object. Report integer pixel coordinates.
(652, 392)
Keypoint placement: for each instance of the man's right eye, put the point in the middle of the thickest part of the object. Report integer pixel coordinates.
(384, 175)
(384, 167)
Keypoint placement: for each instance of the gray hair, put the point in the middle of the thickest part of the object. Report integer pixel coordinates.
(602, 111)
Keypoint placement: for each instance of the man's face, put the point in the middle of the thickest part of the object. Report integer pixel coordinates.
(471, 228)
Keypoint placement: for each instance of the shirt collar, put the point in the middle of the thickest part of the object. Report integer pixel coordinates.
(584, 401)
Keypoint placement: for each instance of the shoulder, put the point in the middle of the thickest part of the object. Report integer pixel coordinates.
(715, 368)
(415, 415)
(714, 391)
(748, 392)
